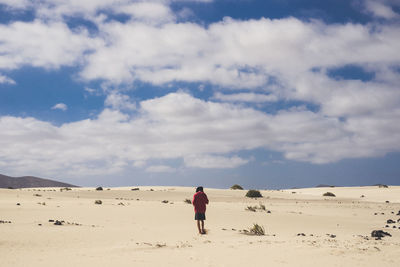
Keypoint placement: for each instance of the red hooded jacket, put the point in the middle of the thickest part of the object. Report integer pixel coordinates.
(200, 201)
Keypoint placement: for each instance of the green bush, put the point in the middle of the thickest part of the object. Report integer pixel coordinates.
(329, 194)
(253, 193)
(236, 187)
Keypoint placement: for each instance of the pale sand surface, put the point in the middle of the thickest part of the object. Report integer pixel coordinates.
(147, 232)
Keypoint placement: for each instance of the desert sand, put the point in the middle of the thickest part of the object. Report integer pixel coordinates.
(138, 228)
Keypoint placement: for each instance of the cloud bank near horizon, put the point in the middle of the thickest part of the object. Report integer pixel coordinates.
(247, 63)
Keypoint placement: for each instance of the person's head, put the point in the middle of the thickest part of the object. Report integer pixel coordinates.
(200, 188)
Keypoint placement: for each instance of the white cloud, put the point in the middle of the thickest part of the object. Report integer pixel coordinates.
(160, 169)
(286, 59)
(60, 106)
(208, 161)
(119, 101)
(381, 8)
(203, 134)
(50, 46)
(6, 80)
(15, 3)
(245, 97)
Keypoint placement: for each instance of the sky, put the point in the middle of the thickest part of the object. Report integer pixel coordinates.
(265, 94)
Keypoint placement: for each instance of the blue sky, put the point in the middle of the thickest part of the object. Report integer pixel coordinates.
(267, 94)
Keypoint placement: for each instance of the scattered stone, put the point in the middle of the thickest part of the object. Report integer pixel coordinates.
(387, 201)
(394, 226)
(152, 190)
(387, 226)
(99, 188)
(18, 204)
(398, 213)
(332, 236)
(57, 222)
(135, 189)
(375, 213)
(392, 212)
(40, 224)
(165, 201)
(121, 204)
(362, 196)
(378, 234)
(268, 211)
(1, 221)
(301, 234)
(37, 195)
(98, 202)
(390, 221)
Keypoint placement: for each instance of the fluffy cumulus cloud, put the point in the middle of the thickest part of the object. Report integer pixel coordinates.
(179, 126)
(268, 60)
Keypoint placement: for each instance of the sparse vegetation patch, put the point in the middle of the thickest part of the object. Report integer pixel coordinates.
(236, 187)
(255, 230)
(329, 194)
(253, 193)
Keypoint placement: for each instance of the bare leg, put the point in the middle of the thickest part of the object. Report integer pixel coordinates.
(198, 226)
(202, 227)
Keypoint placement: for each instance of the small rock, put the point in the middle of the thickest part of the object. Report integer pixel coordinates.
(51, 220)
(57, 222)
(18, 204)
(99, 188)
(362, 196)
(387, 201)
(135, 189)
(268, 211)
(164, 201)
(98, 202)
(398, 213)
(40, 224)
(387, 226)
(394, 226)
(375, 213)
(332, 236)
(378, 234)
(390, 221)
(301, 234)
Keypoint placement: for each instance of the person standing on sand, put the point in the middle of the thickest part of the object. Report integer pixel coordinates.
(200, 201)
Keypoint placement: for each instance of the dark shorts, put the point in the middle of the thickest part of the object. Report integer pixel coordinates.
(199, 216)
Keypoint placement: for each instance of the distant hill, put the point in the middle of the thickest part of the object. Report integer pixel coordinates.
(29, 181)
(325, 185)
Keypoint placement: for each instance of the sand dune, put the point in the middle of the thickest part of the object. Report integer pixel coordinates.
(135, 228)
